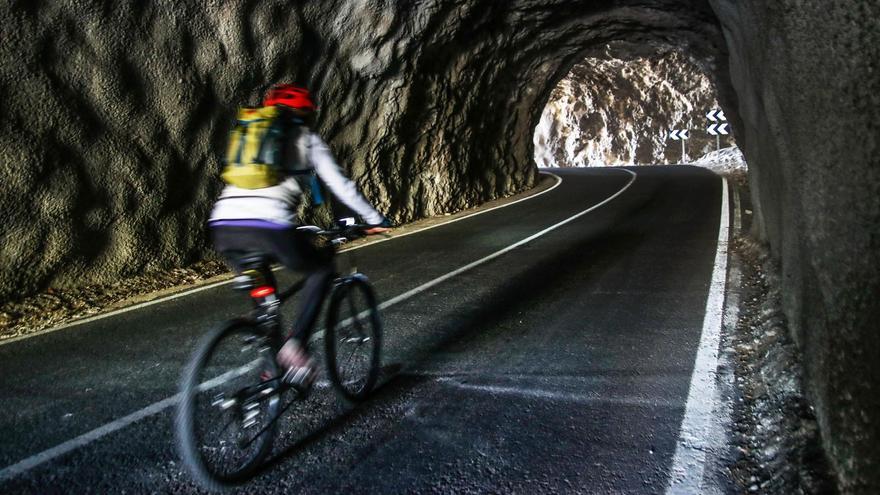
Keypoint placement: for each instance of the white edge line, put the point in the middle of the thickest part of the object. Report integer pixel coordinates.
(717, 441)
(102, 431)
(427, 285)
(188, 292)
(688, 464)
(722, 417)
(88, 437)
(463, 217)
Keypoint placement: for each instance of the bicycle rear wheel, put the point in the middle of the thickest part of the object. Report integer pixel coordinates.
(226, 416)
(353, 338)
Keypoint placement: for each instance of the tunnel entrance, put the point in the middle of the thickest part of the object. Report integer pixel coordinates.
(619, 106)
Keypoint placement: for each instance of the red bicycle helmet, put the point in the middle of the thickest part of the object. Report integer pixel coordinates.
(290, 96)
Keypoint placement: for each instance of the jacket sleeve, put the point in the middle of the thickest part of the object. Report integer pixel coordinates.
(341, 186)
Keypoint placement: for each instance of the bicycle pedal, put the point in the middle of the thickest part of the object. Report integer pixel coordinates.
(299, 376)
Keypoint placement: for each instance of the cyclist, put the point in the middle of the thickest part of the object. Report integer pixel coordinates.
(265, 220)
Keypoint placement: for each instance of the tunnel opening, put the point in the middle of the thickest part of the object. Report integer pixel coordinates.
(627, 104)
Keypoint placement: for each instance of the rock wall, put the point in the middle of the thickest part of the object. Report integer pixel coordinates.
(614, 111)
(117, 110)
(807, 75)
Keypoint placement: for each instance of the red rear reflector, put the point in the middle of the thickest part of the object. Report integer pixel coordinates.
(262, 291)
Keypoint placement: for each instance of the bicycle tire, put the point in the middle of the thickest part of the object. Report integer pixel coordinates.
(338, 334)
(191, 446)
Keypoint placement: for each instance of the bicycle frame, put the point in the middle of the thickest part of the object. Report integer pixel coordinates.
(264, 306)
(266, 310)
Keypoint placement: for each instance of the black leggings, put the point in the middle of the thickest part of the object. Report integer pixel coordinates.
(296, 250)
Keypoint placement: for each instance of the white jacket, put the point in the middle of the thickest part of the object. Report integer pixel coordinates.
(278, 204)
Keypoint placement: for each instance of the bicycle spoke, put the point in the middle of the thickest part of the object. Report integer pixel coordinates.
(355, 316)
(230, 428)
(353, 367)
(271, 422)
(350, 356)
(354, 346)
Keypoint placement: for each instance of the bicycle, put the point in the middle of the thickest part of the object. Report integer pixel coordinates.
(234, 367)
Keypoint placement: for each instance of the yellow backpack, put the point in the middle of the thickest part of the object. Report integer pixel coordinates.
(253, 155)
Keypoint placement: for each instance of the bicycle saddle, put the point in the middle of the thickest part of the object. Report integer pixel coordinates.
(254, 261)
(255, 272)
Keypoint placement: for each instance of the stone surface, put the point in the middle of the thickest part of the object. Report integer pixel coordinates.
(114, 113)
(775, 433)
(617, 108)
(807, 81)
(119, 110)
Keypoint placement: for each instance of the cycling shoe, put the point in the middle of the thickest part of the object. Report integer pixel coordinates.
(300, 371)
(300, 377)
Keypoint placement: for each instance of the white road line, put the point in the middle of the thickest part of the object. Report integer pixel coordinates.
(157, 407)
(224, 282)
(722, 418)
(470, 266)
(464, 217)
(102, 431)
(697, 426)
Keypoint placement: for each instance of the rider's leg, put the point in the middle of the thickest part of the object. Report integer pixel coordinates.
(296, 251)
(313, 293)
(299, 253)
(303, 256)
(293, 355)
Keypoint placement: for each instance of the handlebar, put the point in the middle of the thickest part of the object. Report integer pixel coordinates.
(339, 235)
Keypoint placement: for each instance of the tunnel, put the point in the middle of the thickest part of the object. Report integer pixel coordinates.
(114, 113)
(622, 106)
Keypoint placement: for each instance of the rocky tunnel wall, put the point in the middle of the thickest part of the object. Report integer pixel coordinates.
(806, 76)
(114, 113)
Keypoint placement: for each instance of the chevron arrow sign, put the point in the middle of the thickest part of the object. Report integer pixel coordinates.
(679, 134)
(716, 116)
(720, 129)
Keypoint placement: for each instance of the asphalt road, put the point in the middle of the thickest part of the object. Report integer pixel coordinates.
(562, 365)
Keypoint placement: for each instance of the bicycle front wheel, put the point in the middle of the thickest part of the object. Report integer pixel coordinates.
(353, 338)
(228, 406)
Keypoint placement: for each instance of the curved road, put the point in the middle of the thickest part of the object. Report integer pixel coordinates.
(560, 365)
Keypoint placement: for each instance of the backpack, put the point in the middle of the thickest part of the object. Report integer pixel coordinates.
(254, 154)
